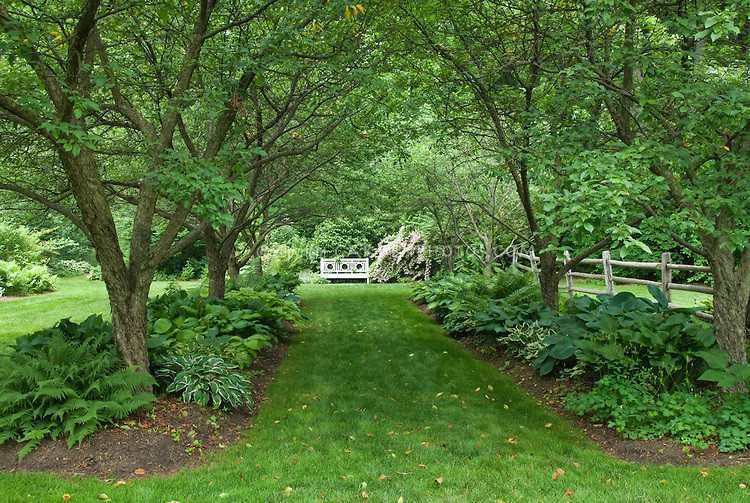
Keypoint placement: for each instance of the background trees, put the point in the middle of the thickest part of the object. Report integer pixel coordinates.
(224, 121)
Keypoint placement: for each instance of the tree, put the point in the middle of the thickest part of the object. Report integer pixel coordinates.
(116, 92)
(672, 81)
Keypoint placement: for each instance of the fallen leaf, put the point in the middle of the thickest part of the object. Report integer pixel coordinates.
(576, 465)
(400, 500)
(347, 451)
(103, 496)
(705, 474)
(140, 471)
(382, 477)
(554, 476)
(365, 495)
(120, 483)
(569, 492)
(512, 441)
(548, 425)
(288, 491)
(407, 452)
(743, 486)
(294, 461)
(223, 495)
(439, 480)
(477, 389)
(66, 497)
(490, 388)
(363, 486)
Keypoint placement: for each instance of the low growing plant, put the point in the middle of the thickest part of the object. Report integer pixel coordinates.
(66, 381)
(610, 332)
(205, 379)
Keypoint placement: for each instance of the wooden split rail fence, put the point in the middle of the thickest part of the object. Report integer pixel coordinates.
(665, 267)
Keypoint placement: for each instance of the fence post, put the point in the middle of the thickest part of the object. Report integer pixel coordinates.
(532, 259)
(568, 276)
(666, 274)
(609, 283)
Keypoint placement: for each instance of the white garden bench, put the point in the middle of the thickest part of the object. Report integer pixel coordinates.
(345, 268)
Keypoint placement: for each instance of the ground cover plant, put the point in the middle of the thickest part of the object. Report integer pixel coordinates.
(67, 380)
(374, 401)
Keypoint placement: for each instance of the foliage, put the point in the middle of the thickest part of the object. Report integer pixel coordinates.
(205, 379)
(346, 237)
(235, 328)
(282, 284)
(283, 260)
(67, 380)
(625, 401)
(70, 268)
(609, 332)
(403, 255)
(96, 273)
(467, 304)
(23, 280)
(525, 340)
(442, 294)
(25, 247)
(311, 278)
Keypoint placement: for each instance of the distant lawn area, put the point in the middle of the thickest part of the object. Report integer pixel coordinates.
(684, 299)
(75, 298)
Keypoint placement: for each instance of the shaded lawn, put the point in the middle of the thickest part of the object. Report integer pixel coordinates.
(374, 401)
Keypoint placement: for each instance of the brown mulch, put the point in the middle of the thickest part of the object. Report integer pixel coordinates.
(547, 390)
(157, 441)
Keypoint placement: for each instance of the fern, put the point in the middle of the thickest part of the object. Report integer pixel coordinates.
(68, 381)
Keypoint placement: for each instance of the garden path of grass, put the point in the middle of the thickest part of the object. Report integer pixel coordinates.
(371, 392)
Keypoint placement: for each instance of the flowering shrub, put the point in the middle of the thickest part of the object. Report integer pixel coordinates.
(403, 255)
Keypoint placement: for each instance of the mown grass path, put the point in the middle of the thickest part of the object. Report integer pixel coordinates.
(373, 403)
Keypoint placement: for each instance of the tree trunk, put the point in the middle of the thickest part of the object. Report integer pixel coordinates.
(234, 267)
(128, 301)
(549, 278)
(731, 297)
(259, 261)
(217, 264)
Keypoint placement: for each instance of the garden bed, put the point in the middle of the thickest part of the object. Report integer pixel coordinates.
(158, 441)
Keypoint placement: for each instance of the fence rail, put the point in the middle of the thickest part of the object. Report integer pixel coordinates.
(666, 266)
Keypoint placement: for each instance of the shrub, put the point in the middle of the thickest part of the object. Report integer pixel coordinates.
(67, 380)
(70, 268)
(403, 255)
(17, 280)
(205, 379)
(283, 260)
(235, 328)
(20, 245)
(626, 401)
(609, 332)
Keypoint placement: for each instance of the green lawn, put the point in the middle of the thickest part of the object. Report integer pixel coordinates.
(75, 298)
(372, 399)
(679, 297)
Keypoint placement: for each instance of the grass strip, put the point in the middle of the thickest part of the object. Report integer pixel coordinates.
(374, 403)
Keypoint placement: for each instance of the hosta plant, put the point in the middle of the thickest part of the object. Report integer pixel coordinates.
(205, 379)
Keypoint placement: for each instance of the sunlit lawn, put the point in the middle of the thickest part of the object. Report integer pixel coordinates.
(74, 298)
(679, 297)
(374, 403)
